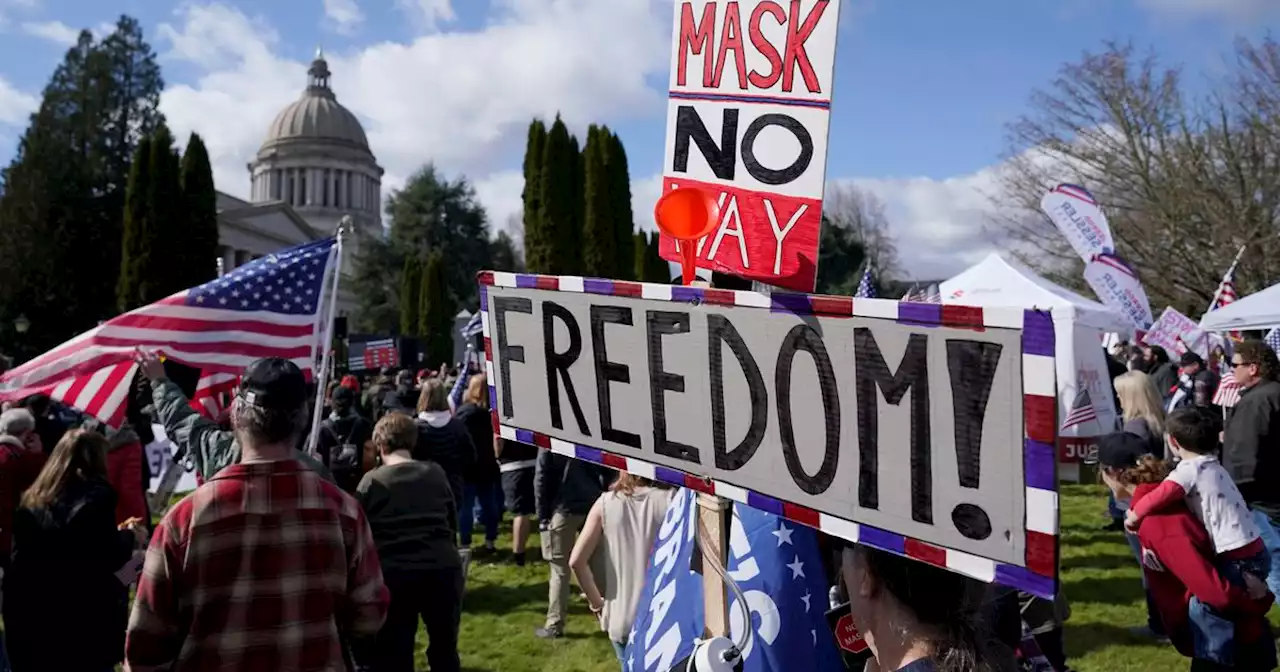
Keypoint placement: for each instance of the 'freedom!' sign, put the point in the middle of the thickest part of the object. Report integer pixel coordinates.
(924, 430)
(750, 97)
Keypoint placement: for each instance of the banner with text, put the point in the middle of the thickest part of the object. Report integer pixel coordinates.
(935, 423)
(750, 100)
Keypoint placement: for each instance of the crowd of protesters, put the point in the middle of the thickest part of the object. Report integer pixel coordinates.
(289, 559)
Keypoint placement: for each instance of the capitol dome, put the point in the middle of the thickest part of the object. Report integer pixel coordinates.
(316, 159)
(317, 115)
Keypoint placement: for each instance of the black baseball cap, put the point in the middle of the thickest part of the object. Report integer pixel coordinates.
(343, 395)
(1121, 450)
(275, 384)
(1189, 358)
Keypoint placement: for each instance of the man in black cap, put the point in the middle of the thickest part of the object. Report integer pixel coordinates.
(1197, 382)
(276, 390)
(266, 565)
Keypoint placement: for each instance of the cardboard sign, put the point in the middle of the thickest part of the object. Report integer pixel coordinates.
(747, 118)
(926, 430)
(1175, 332)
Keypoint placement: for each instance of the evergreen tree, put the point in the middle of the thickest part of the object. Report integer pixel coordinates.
(503, 255)
(167, 244)
(639, 255)
(537, 247)
(63, 202)
(598, 232)
(436, 312)
(657, 269)
(410, 295)
(619, 188)
(137, 230)
(571, 239)
(200, 215)
(430, 213)
(558, 249)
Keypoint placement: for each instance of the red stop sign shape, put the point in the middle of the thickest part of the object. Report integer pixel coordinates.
(848, 637)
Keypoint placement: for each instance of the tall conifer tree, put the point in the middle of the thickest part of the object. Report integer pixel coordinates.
(410, 293)
(199, 215)
(560, 249)
(436, 312)
(137, 230)
(619, 188)
(537, 245)
(598, 232)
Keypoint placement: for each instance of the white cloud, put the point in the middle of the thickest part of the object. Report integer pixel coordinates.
(343, 15)
(54, 31)
(15, 105)
(460, 99)
(428, 14)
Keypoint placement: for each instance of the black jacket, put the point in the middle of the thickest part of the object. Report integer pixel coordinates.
(565, 485)
(1251, 447)
(450, 447)
(479, 424)
(64, 608)
(351, 431)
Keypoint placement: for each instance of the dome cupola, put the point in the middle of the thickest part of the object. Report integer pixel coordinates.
(316, 117)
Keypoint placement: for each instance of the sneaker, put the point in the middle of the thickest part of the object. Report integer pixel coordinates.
(546, 633)
(1114, 526)
(519, 558)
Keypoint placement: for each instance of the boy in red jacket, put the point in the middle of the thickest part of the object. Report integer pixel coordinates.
(1178, 560)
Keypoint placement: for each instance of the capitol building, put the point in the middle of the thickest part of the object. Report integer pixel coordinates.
(313, 169)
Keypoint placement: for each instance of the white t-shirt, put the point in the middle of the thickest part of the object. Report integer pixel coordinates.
(1213, 497)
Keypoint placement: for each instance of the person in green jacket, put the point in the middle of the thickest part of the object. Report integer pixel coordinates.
(200, 443)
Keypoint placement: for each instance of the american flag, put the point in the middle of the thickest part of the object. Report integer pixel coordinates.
(1228, 393)
(865, 289)
(1227, 296)
(1082, 410)
(1273, 339)
(270, 307)
(933, 294)
(474, 327)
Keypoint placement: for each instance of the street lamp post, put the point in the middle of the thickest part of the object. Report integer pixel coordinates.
(21, 324)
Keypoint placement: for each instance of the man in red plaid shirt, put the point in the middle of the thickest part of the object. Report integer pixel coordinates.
(265, 567)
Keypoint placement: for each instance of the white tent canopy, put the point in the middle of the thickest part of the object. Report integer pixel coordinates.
(996, 281)
(1260, 310)
(1079, 323)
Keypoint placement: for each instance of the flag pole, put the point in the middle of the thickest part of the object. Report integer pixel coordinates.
(322, 378)
(1217, 293)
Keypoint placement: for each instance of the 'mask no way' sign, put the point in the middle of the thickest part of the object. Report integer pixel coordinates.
(921, 429)
(750, 97)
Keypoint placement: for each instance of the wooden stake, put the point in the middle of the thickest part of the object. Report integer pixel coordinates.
(713, 533)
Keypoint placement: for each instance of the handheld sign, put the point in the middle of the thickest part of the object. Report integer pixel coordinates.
(686, 215)
(747, 120)
(921, 429)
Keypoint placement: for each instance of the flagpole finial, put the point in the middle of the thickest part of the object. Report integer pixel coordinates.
(345, 226)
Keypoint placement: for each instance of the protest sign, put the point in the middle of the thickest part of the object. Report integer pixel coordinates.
(750, 100)
(925, 430)
(1176, 333)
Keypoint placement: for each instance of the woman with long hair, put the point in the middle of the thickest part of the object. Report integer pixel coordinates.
(626, 519)
(482, 486)
(1141, 409)
(914, 616)
(65, 608)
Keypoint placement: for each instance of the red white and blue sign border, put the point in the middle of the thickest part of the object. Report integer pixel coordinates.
(1039, 390)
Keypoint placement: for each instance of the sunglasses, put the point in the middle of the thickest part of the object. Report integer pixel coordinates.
(1236, 365)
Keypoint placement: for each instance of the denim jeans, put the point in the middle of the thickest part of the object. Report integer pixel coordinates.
(1153, 616)
(1116, 509)
(488, 496)
(620, 650)
(1270, 539)
(1214, 641)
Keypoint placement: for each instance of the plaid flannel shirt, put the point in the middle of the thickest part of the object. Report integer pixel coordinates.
(265, 567)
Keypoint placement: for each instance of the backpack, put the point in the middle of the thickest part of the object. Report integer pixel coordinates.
(345, 458)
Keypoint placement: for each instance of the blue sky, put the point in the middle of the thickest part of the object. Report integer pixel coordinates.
(923, 87)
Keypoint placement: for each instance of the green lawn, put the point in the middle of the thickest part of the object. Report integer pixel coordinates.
(505, 603)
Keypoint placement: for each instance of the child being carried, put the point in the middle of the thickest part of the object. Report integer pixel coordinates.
(1212, 497)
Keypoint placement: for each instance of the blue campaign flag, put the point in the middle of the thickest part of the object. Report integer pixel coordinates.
(777, 566)
(669, 617)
